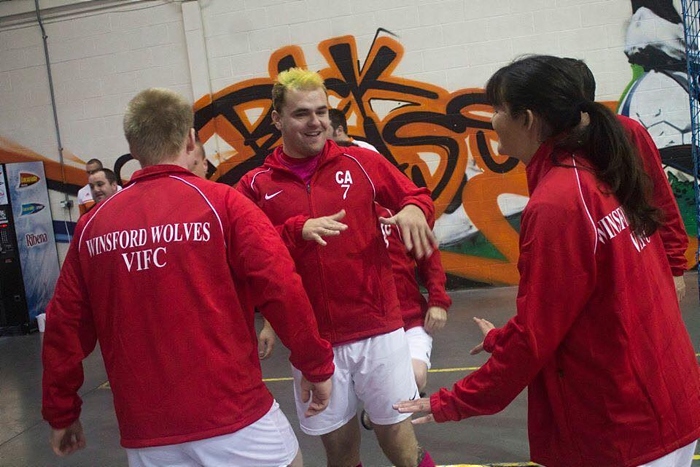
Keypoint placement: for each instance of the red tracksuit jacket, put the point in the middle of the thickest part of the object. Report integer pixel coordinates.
(349, 281)
(165, 274)
(404, 267)
(598, 337)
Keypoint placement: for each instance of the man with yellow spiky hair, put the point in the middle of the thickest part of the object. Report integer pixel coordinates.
(321, 199)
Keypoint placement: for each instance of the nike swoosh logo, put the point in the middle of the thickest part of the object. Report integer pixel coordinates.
(268, 197)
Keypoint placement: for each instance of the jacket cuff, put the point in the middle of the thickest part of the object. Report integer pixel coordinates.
(298, 227)
(441, 408)
(439, 302)
(490, 340)
(59, 420)
(435, 408)
(678, 271)
(320, 377)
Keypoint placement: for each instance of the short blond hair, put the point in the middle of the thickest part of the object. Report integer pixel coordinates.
(297, 79)
(156, 125)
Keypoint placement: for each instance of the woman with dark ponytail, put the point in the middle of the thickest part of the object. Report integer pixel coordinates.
(598, 337)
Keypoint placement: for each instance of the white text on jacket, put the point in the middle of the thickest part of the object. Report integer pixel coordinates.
(616, 222)
(143, 258)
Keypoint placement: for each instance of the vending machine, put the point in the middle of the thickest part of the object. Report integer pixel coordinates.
(29, 263)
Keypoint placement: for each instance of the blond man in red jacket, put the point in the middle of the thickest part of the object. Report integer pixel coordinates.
(321, 199)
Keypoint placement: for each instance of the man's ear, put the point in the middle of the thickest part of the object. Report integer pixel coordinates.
(276, 120)
(190, 144)
(529, 119)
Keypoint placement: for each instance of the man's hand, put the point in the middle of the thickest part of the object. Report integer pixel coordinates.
(266, 340)
(679, 282)
(319, 393)
(67, 440)
(485, 327)
(435, 319)
(415, 231)
(417, 405)
(318, 227)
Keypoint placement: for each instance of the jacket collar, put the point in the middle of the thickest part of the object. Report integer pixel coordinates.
(541, 163)
(329, 151)
(548, 156)
(159, 170)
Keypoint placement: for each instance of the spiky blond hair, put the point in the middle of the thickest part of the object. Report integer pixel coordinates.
(297, 79)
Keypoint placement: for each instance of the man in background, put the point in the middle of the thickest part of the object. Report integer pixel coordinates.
(339, 131)
(103, 184)
(85, 201)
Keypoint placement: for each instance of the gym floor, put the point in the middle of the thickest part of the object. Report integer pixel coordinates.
(493, 440)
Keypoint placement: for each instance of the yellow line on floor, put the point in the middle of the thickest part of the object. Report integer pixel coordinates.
(450, 370)
(274, 380)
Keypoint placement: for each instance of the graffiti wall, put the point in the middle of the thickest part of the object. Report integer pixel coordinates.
(440, 139)
(430, 121)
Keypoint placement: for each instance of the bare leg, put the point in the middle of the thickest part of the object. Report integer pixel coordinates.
(420, 370)
(343, 445)
(399, 443)
(298, 460)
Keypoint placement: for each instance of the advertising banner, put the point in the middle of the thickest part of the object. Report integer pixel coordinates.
(3, 188)
(28, 192)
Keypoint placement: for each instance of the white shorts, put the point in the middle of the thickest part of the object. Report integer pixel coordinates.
(420, 343)
(376, 371)
(681, 457)
(268, 442)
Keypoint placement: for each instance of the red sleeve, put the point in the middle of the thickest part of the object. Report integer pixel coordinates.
(69, 337)
(393, 189)
(259, 257)
(547, 306)
(433, 277)
(672, 231)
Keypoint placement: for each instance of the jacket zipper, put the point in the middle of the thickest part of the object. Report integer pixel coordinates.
(321, 277)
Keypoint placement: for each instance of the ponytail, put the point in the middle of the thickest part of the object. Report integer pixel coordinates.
(617, 163)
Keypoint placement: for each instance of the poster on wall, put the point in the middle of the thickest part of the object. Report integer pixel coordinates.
(28, 192)
(3, 188)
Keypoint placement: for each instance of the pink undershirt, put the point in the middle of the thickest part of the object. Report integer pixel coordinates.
(302, 168)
